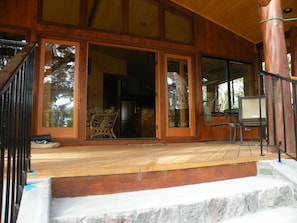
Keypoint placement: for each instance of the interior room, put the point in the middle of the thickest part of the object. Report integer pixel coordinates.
(122, 80)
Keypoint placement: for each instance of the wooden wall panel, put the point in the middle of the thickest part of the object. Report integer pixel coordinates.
(18, 13)
(215, 40)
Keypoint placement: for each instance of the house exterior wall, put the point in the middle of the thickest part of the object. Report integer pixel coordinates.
(23, 16)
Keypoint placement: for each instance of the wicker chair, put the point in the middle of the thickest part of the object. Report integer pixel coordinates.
(102, 124)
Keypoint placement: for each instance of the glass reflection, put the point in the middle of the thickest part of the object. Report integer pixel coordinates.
(178, 94)
(223, 82)
(58, 85)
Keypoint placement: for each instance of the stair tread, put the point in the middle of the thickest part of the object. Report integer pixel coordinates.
(158, 198)
(275, 215)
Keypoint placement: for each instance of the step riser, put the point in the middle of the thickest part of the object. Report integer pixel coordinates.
(95, 185)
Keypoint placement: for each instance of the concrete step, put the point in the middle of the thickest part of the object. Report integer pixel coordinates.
(275, 215)
(36, 200)
(205, 202)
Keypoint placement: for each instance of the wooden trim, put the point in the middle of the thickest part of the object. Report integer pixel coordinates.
(16, 30)
(76, 34)
(82, 93)
(83, 14)
(125, 15)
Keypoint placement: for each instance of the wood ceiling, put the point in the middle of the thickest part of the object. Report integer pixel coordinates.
(239, 16)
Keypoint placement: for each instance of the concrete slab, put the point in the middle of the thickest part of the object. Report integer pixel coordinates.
(206, 202)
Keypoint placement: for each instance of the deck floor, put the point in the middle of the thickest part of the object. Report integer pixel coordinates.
(122, 159)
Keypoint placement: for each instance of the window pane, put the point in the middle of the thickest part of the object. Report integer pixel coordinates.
(61, 11)
(58, 85)
(289, 63)
(223, 102)
(237, 90)
(240, 81)
(214, 82)
(223, 82)
(177, 28)
(143, 18)
(178, 93)
(105, 14)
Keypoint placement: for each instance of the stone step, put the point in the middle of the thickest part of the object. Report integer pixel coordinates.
(205, 202)
(275, 215)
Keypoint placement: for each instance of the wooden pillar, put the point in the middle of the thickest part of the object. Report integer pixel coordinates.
(275, 55)
(293, 43)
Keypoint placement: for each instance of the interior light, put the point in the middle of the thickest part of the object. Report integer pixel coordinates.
(287, 10)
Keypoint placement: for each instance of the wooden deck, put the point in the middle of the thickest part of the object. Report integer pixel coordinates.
(107, 160)
(92, 170)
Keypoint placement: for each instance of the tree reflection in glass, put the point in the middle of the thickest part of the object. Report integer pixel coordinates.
(58, 85)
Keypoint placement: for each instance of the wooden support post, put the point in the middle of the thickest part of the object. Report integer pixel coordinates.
(275, 54)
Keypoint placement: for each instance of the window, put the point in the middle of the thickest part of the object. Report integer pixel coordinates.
(289, 63)
(223, 82)
(61, 11)
(105, 14)
(143, 18)
(177, 27)
(140, 17)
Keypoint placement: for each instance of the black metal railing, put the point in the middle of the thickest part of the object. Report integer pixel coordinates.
(8, 49)
(281, 107)
(16, 88)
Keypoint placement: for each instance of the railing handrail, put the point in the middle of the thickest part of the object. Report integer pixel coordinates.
(8, 71)
(293, 98)
(13, 43)
(16, 98)
(278, 76)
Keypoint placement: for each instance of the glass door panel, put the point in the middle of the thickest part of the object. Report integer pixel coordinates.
(57, 83)
(178, 97)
